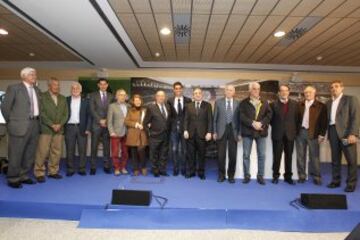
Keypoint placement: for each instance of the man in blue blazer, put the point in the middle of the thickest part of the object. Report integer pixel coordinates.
(77, 129)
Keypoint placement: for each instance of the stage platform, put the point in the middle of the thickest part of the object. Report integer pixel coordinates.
(192, 203)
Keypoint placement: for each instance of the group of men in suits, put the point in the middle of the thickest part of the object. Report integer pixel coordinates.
(37, 122)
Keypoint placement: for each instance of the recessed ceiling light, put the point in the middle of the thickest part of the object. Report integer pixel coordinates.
(279, 34)
(165, 31)
(319, 58)
(31, 54)
(157, 54)
(3, 32)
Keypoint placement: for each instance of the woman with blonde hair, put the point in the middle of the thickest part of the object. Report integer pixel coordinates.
(136, 137)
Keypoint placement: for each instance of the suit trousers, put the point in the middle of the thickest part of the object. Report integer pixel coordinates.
(21, 152)
(159, 146)
(350, 153)
(50, 146)
(279, 146)
(196, 151)
(227, 142)
(302, 142)
(178, 150)
(116, 144)
(73, 138)
(97, 135)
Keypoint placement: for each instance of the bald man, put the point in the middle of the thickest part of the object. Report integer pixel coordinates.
(157, 123)
(312, 128)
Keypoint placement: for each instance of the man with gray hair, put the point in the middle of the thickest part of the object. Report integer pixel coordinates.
(54, 114)
(21, 110)
(255, 116)
(227, 132)
(77, 129)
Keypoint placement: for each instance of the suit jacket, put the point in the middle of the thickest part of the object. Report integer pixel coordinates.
(284, 125)
(317, 119)
(201, 123)
(220, 117)
(53, 114)
(97, 109)
(158, 123)
(177, 119)
(116, 120)
(135, 137)
(85, 117)
(247, 116)
(16, 108)
(347, 120)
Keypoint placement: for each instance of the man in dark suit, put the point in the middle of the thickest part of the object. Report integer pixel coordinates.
(77, 129)
(312, 127)
(21, 109)
(283, 122)
(227, 132)
(255, 116)
(99, 104)
(157, 123)
(343, 133)
(198, 128)
(177, 105)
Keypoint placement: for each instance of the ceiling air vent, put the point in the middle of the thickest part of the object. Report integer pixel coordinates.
(182, 28)
(297, 32)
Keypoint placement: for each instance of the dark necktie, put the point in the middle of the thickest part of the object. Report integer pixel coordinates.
(163, 110)
(179, 108)
(197, 108)
(229, 113)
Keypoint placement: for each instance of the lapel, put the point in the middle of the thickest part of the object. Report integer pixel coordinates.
(341, 104)
(50, 99)
(25, 92)
(159, 111)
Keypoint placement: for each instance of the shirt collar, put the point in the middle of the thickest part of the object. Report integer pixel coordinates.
(338, 98)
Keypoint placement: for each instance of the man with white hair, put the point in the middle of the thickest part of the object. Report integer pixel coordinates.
(77, 129)
(21, 110)
(312, 126)
(255, 116)
(227, 132)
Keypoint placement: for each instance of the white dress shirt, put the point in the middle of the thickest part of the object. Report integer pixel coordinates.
(305, 121)
(176, 100)
(35, 99)
(334, 107)
(166, 113)
(75, 110)
(231, 103)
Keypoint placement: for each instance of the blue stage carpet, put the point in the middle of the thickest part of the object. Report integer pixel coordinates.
(193, 204)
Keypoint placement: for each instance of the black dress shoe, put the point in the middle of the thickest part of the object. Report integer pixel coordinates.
(55, 176)
(28, 181)
(301, 180)
(275, 181)
(165, 174)
(261, 180)
(92, 171)
(290, 181)
(15, 184)
(221, 179)
(202, 176)
(333, 185)
(40, 179)
(231, 180)
(246, 180)
(350, 188)
(69, 174)
(82, 173)
(190, 175)
(183, 172)
(156, 175)
(176, 172)
(107, 170)
(317, 181)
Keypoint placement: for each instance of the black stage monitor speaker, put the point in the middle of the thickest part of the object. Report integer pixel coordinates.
(355, 233)
(131, 197)
(324, 201)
